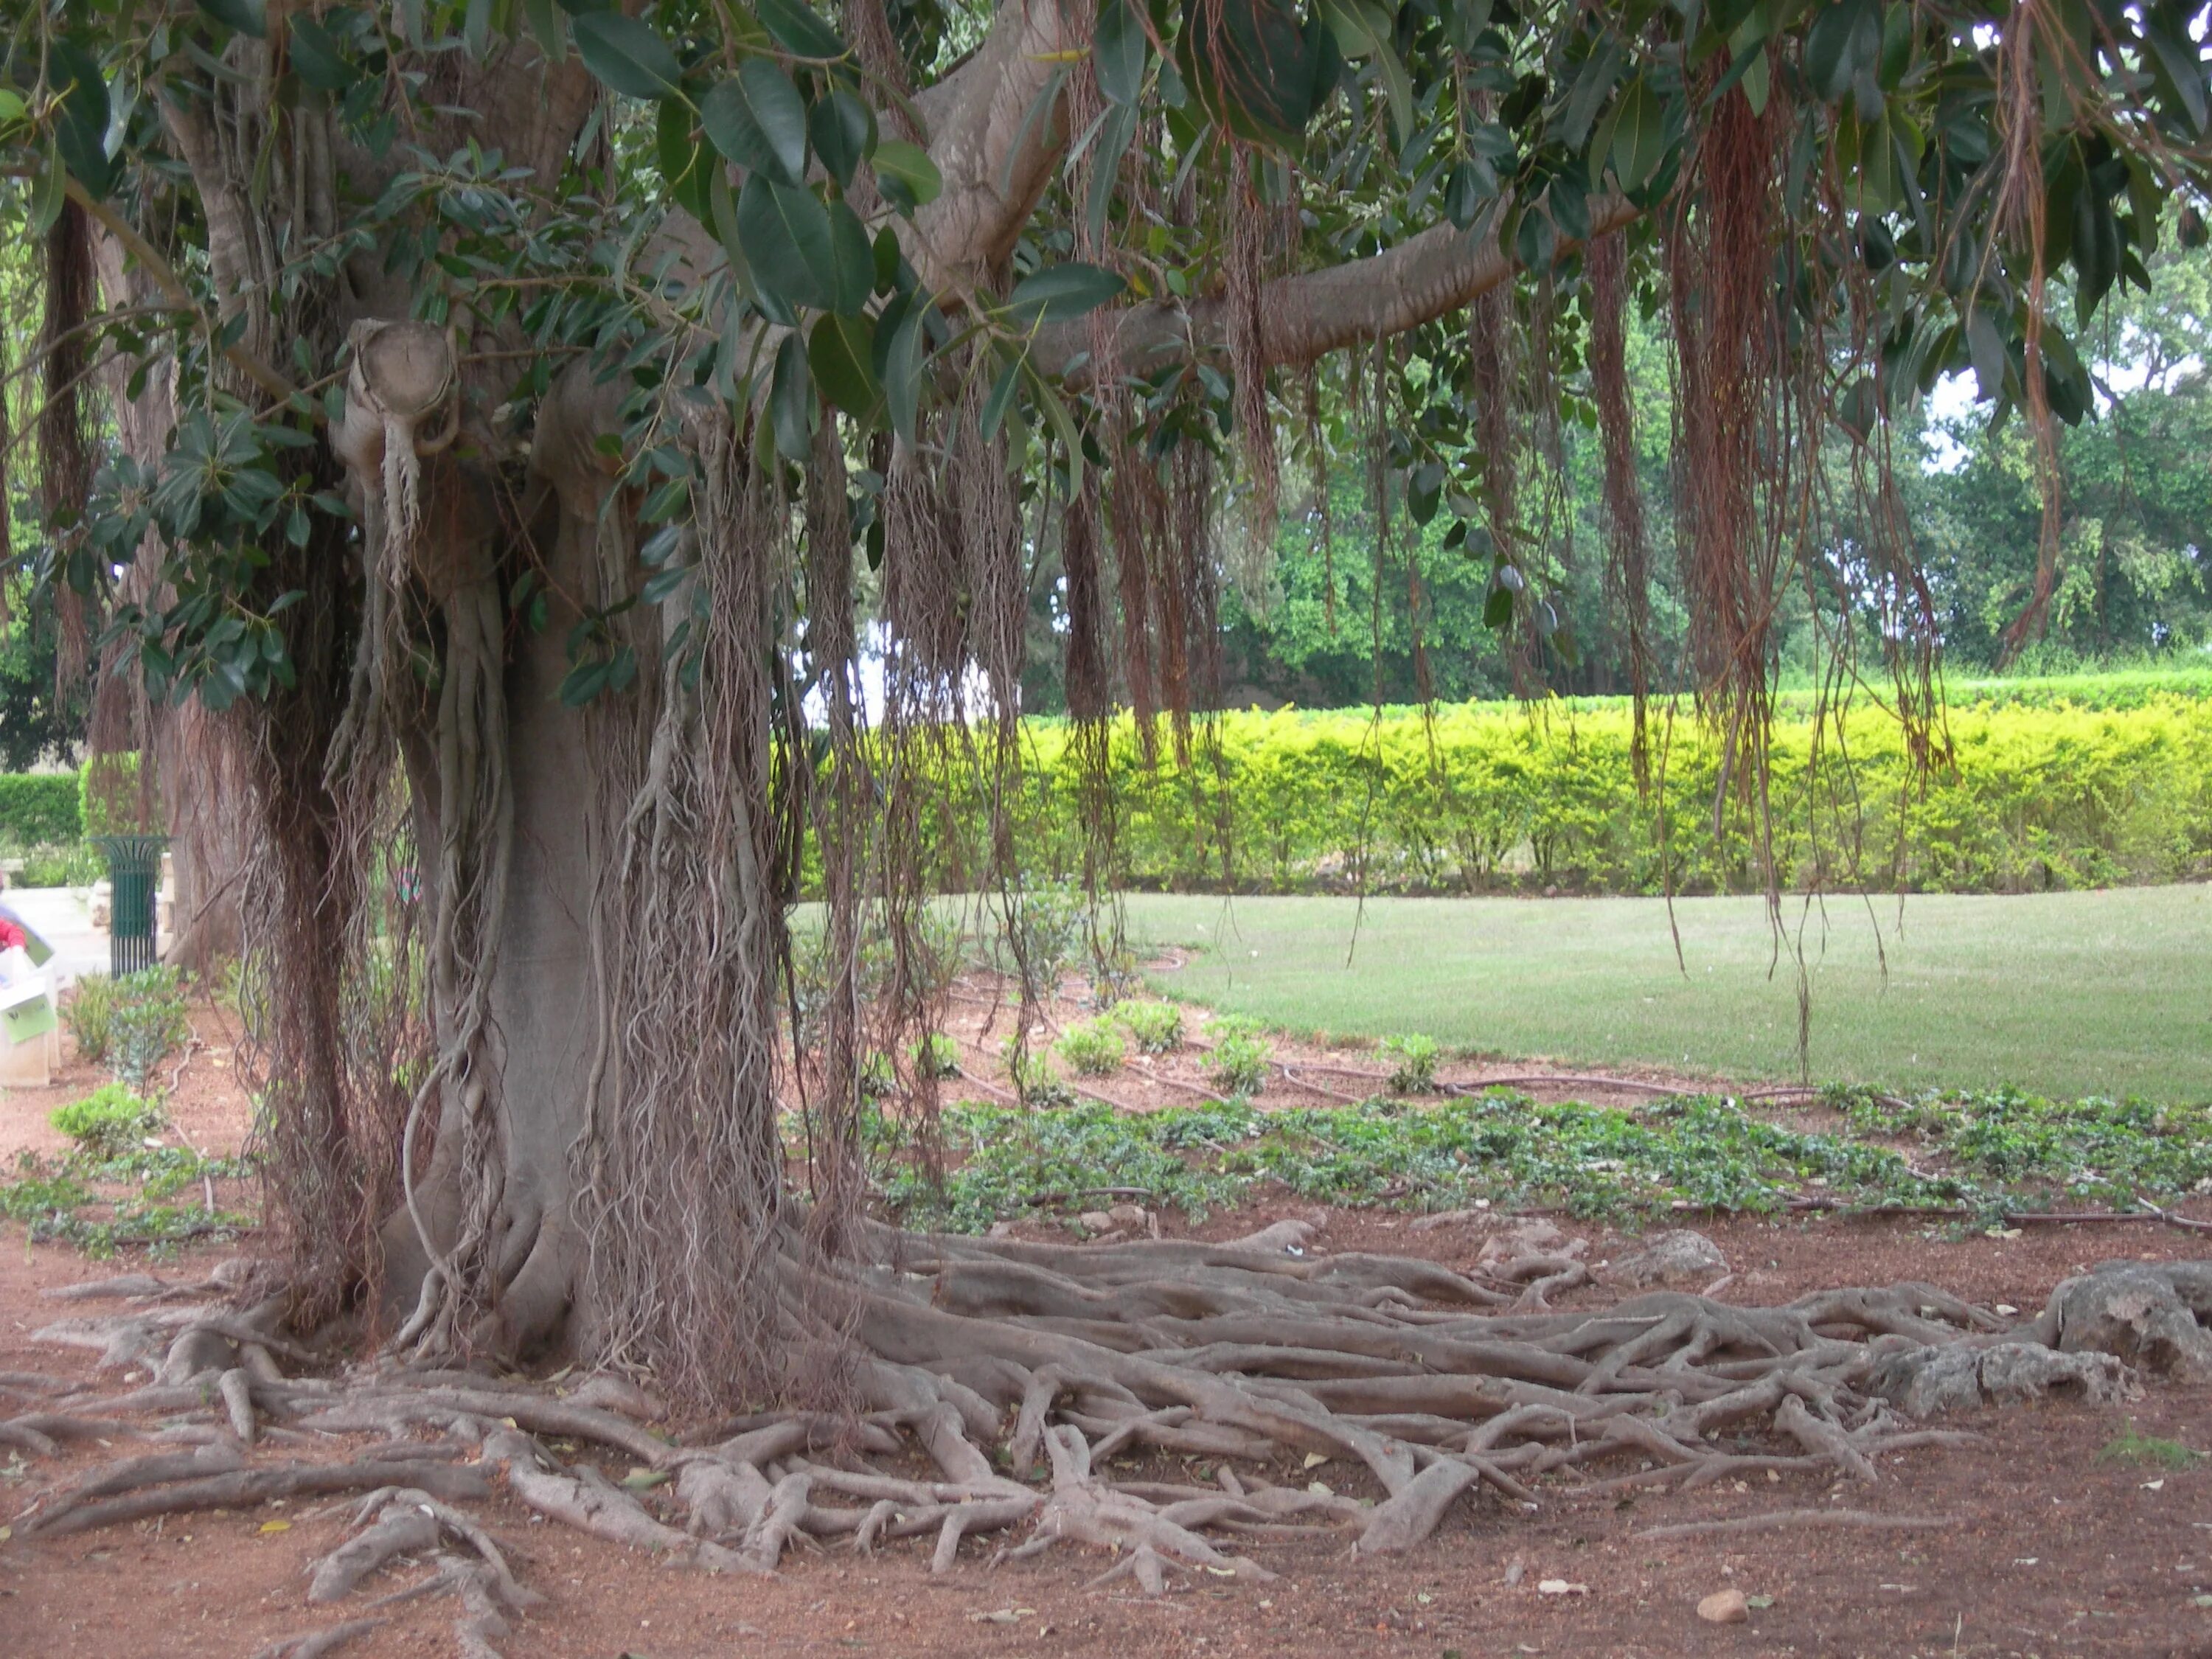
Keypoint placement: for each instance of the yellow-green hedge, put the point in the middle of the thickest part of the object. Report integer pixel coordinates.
(1488, 795)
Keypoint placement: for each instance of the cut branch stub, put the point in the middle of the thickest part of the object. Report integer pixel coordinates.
(402, 373)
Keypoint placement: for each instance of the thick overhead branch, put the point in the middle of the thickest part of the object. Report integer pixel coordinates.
(997, 128)
(1305, 316)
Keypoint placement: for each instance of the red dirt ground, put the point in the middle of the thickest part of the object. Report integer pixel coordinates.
(2053, 1548)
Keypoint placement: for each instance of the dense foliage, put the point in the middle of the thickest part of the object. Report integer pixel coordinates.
(2036, 791)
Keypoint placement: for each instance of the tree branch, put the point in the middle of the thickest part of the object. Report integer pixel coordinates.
(164, 274)
(1307, 316)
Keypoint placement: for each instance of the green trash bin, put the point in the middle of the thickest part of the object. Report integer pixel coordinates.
(134, 876)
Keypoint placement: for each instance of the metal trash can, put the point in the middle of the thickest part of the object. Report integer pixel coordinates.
(134, 875)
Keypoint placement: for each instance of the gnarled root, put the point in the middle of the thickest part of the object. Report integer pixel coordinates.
(1418, 1381)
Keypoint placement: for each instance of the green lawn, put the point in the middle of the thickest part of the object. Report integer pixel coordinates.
(2059, 993)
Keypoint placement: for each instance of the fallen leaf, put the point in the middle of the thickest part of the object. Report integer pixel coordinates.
(641, 1478)
(1561, 1586)
(1002, 1616)
(2005, 1308)
(1759, 1600)
(2201, 1600)
(276, 1526)
(1314, 1460)
(2154, 1485)
(1321, 1489)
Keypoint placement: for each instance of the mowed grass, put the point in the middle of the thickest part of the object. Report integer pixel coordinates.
(2076, 993)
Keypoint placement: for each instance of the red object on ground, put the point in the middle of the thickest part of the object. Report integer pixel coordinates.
(10, 935)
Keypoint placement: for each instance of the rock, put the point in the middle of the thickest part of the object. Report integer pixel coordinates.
(1094, 1221)
(1536, 1237)
(1931, 1380)
(1725, 1607)
(1676, 1257)
(1286, 1237)
(1126, 1215)
(2136, 1311)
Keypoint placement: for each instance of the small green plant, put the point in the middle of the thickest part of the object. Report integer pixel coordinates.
(1036, 1084)
(1041, 931)
(88, 1014)
(1155, 1027)
(2139, 1449)
(1412, 1063)
(878, 1077)
(1092, 1050)
(937, 1055)
(1237, 1066)
(147, 1024)
(108, 1122)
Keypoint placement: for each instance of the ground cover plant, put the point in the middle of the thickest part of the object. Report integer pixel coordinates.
(1972, 1160)
(118, 1186)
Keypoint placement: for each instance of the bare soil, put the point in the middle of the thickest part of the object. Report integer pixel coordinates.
(2049, 1546)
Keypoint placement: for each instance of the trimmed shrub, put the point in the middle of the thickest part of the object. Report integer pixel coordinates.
(38, 810)
(1485, 797)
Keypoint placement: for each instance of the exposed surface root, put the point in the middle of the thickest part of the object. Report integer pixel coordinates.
(1413, 1389)
(1782, 1519)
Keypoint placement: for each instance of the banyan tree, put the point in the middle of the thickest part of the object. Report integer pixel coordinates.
(587, 467)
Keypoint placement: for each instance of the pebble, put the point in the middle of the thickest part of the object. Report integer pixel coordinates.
(1725, 1607)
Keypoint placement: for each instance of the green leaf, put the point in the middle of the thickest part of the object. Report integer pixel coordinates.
(1118, 131)
(905, 174)
(785, 232)
(1844, 44)
(1119, 51)
(49, 189)
(583, 683)
(1639, 139)
(1060, 292)
(82, 132)
(901, 368)
(544, 19)
(853, 261)
(756, 119)
(2096, 250)
(844, 130)
(1364, 29)
(1497, 609)
(839, 352)
(798, 29)
(317, 56)
(1596, 79)
(792, 406)
(246, 16)
(994, 413)
(2178, 69)
(626, 54)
